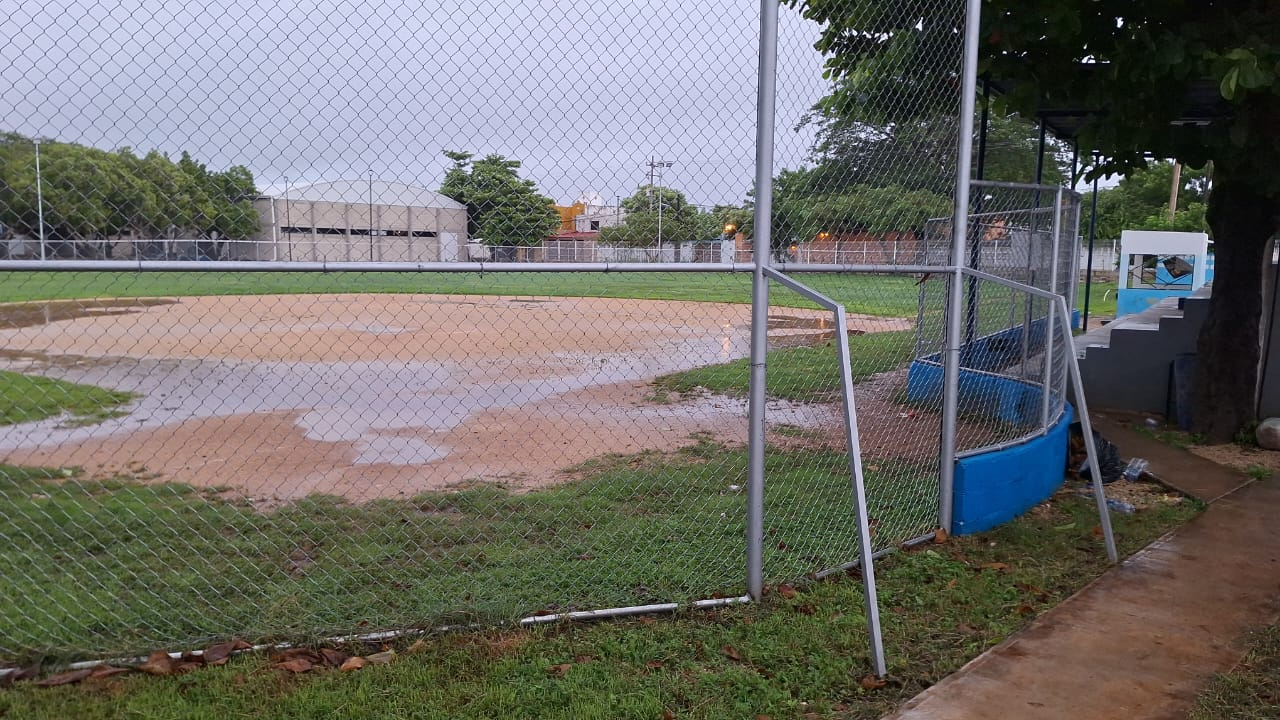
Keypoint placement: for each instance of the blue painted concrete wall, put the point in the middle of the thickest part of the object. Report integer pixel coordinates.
(993, 488)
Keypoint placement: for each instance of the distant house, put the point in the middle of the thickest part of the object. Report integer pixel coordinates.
(356, 221)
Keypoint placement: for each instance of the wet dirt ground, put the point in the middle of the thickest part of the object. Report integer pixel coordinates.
(366, 396)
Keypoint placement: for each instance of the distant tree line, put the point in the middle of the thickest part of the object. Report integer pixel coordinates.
(96, 195)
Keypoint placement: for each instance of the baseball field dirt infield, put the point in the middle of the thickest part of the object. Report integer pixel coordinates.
(372, 396)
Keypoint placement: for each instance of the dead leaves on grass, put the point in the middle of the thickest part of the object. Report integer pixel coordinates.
(163, 664)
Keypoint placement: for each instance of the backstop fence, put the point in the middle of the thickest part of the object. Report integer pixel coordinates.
(509, 425)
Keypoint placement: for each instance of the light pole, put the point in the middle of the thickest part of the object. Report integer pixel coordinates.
(288, 219)
(371, 258)
(658, 165)
(40, 199)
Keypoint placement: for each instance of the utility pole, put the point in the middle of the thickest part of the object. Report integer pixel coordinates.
(40, 199)
(1175, 187)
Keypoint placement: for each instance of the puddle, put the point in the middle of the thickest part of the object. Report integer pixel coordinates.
(20, 315)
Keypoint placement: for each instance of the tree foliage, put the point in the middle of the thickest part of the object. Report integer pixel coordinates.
(1136, 63)
(1141, 200)
(90, 194)
(1148, 67)
(681, 222)
(502, 209)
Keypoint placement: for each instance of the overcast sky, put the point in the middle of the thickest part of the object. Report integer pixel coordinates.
(584, 94)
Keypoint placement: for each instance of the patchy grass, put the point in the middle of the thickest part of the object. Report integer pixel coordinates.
(803, 374)
(880, 295)
(1102, 299)
(27, 398)
(1175, 438)
(786, 657)
(1250, 691)
(109, 568)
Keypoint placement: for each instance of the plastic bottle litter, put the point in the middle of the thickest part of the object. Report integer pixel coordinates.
(1121, 506)
(1134, 469)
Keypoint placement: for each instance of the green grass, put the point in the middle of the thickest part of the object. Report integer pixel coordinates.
(879, 295)
(803, 374)
(27, 398)
(1251, 690)
(116, 567)
(1102, 299)
(941, 606)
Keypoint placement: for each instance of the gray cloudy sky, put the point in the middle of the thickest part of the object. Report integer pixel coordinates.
(582, 93)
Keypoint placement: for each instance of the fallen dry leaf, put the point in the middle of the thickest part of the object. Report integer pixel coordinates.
(1097, 531)
(871, 682)
(158, 663)
(653, 665)
(940, 536)
(951, 584)
(106, 671)
(967, 629)
(762, 717)
(668, 715)
(786, 591)
(997, 566)
(66, 678)
(381, 658)
(417, 646)
(296, 665)
(558, 671)
(804, 609)
(645, 620)
(731, 652)
(220, 653)
(353, 663)
(333, 658)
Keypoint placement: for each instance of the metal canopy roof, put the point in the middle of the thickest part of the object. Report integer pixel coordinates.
(1202, 105)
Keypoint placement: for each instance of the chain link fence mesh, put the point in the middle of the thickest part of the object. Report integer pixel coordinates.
(189, 456)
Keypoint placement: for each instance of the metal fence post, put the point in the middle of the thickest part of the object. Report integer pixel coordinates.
(761, 245)
(955, 295)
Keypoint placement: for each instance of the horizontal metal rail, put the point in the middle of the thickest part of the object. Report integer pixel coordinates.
(436, 267)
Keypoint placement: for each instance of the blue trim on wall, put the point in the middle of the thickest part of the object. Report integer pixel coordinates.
(1131, 301)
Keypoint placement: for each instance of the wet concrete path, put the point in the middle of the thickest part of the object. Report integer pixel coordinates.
(1141, 641)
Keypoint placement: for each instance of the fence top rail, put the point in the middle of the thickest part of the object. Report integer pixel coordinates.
(441, 267)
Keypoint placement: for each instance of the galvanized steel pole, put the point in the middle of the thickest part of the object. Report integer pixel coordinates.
(765, 96)
(40, 200)
(955, 294)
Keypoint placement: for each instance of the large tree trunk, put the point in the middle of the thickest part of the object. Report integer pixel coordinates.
(1243, 218)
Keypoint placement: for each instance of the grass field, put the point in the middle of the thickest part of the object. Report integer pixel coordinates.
(27, 398)
(798, 655)
(803, 374)
(880, 295)
(163, 561)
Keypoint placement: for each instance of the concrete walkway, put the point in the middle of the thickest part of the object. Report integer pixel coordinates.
(1142, 640)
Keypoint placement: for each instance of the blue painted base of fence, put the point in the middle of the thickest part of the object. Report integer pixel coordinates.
(994, 487)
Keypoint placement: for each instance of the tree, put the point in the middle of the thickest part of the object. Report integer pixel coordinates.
(1136, 62)
(502, 209)
(681, 222)
(92, 195)
(1141, 200)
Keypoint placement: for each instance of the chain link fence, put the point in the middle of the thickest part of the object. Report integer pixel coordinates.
(303, 338)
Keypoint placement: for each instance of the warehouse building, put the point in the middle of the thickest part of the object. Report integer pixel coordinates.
(355, 221)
